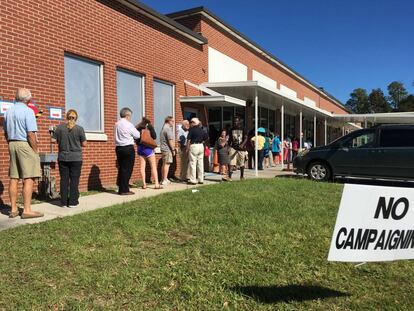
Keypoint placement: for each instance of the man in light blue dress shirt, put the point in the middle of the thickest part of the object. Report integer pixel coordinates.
(20, 129)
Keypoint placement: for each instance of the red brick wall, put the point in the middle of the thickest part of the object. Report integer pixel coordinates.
(36, 34)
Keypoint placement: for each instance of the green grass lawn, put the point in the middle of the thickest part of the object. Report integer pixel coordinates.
(254, 245)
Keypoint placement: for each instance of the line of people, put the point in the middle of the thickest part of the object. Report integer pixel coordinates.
(269, 147)
(192, 139)
(20, 128)
(234, 147)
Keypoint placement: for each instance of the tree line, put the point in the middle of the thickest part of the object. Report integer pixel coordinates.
(397, 100)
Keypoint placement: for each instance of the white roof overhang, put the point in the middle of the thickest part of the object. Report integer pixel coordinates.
(268, 97)
(213, 100)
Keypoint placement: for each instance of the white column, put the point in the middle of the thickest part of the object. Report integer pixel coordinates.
(282, 130)
(256, 118)
(343, 130)
(300, 130)
(314, 130)
(365, 123)
(326, 132)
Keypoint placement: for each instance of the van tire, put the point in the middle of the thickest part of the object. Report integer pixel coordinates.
(319, 171)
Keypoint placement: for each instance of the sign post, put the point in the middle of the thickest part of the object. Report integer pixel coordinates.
(374, 223)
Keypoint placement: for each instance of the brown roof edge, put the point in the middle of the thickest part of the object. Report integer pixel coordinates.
(201, 9)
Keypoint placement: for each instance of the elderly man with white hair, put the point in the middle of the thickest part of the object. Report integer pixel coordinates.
(195, 146)
(125, 135)
(20, 130)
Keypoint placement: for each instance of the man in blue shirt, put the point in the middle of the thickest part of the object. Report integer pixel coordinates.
(20, 129)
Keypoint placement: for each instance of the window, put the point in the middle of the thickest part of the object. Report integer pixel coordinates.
(241, 113)
(83, 92)
(289, 125)
(222, 117)
(362, 140)
(272, 122)
(163, 104)
(264, 117)
(403, 137)
(129, 87)
(307, 128)
(228, 116)
(190, 113)
(214, 123)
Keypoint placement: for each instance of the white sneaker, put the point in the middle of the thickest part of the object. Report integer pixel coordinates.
(165, 182)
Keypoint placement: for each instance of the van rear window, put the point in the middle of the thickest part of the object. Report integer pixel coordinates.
(397, 137)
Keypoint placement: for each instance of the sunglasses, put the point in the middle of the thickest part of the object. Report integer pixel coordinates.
(71, 118)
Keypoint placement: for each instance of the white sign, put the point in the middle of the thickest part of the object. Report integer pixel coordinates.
(4, 106)
(374, 224)
(55, 113)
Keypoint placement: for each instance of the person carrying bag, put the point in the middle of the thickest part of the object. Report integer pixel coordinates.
(146, 146)
(146, 138)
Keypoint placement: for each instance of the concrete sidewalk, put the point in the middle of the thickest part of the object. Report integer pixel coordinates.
(106, 199)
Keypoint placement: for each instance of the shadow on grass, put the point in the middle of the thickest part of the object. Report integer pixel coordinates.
(356, 181)
(289, 293)
(290, 176)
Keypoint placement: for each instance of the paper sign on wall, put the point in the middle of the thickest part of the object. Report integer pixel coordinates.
(374, 223)
(4, 106)
(55, 113)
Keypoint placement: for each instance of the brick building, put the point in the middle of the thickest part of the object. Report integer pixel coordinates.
(97, 56)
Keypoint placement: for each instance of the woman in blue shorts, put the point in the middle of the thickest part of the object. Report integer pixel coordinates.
(146, 153)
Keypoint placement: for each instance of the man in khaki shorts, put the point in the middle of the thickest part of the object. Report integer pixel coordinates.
(167, 147)
(237, 152)
(20, 129)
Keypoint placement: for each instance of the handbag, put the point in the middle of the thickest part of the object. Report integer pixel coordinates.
(206, 151)
(147, 140)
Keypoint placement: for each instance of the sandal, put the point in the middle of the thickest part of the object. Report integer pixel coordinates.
(159, 187)
(31, 215)
(144, 187)
(13, 214)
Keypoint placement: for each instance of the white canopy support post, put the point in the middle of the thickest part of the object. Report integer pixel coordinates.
(343, 130)
(314, 130)
(300, 130)
(282, 131)
(256, 119)
(326, 131)
(365, 123)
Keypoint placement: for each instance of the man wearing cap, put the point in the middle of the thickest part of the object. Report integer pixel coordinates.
(195, 147)
(259, 139)
(20, 129)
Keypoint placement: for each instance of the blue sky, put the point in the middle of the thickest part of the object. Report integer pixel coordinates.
(339, 45)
